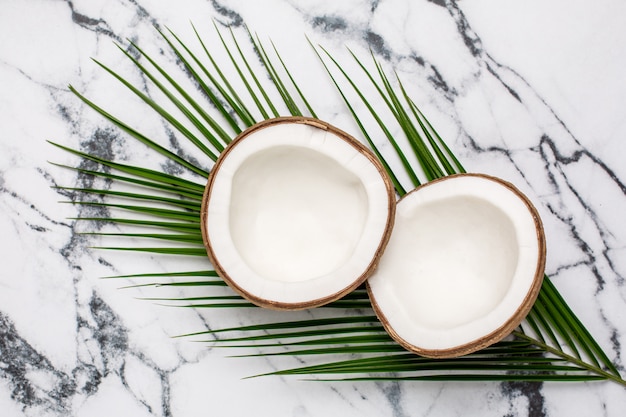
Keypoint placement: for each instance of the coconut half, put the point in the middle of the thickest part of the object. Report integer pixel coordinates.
(296, 213)
(463, 266)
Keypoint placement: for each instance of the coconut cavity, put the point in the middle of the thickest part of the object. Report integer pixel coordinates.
(463, 266)
(477, 243)
(296, 213)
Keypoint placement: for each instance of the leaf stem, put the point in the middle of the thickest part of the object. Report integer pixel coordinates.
(579, 362)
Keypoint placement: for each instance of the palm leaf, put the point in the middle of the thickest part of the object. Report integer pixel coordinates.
(551, 344)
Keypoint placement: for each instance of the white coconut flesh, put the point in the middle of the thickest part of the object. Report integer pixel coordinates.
(462, 268)
(296, 213)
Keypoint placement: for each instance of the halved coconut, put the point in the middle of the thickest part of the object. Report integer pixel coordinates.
(296, 213)
(463, 266)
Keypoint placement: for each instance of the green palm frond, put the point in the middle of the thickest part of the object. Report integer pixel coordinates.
(550, 345)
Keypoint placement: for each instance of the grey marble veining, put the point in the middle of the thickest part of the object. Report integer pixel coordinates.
(530, 92)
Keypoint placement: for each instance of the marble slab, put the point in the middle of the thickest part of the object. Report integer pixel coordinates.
(530, 91)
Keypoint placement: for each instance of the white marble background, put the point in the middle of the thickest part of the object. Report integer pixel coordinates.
(532, 91)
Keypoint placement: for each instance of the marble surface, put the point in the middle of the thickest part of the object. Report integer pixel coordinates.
(531, 91)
